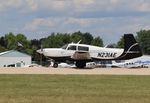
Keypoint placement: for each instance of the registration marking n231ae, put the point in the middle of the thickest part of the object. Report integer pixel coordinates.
(104, 54)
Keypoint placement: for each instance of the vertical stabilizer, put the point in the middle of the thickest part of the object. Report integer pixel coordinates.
(131, 48)
(130, 43)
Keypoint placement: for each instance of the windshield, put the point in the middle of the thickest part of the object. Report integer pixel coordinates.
(65, 46)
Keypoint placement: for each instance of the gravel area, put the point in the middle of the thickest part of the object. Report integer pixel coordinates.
(66, 71)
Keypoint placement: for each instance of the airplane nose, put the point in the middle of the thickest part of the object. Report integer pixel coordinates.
(40, 51)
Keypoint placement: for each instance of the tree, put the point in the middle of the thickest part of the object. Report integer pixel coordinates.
(35, 43)
(97, 42)
(120, 43)
(2, 42)
(143, 38)
(10, 41)
(50, 41)
(87, 38)
(21, 38)
(2, 49)
(66, 38)
(76, 36)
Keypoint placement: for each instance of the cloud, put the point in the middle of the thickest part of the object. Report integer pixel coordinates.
(106, 18)
(38, 23)
(8, 4)
(56, 22)
(21, 5)
(56, 5)
(78, 21)
(78, 8)
(144, 7)
(94, 8)
(110, 29)
(32, 4)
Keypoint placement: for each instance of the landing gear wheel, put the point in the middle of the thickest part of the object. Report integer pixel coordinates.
(55, 65)
(80, 64)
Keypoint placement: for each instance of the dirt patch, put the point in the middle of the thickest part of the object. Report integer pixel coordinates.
(65, 71)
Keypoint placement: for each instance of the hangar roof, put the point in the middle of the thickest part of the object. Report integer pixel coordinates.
(13, 53)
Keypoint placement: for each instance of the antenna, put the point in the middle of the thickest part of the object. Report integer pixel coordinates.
(79, 41)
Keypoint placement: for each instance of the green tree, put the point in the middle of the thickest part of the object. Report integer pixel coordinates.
(2, 49)
(76, 36)
(2, 41)
(97, 42)
(21, 38)
(120, 43)
(10, 41)
(87, 38)
(52, 41)
(66, 38)
(35, 44)
(143, 38)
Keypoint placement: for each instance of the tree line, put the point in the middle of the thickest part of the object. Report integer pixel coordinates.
(10, 41)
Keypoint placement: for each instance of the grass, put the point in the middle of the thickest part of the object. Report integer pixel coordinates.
(74, 89)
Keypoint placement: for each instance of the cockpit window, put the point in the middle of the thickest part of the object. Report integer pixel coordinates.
(65, 46)
(72, 48)
(83, 48)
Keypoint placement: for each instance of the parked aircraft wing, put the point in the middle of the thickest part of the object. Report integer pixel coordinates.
(81, 55)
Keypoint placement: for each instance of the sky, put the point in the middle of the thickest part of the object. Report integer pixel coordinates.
(109, 19)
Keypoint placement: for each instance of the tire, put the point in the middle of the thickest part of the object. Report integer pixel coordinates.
(55, 65)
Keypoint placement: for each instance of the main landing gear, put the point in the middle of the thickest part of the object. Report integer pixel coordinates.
(80, 64)
(53, 63)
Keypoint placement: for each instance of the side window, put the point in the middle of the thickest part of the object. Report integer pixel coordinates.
(72, 48)
(83, 48)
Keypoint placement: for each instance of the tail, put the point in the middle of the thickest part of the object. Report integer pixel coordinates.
(131, 48)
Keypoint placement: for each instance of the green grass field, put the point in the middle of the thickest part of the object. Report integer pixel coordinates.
(74, 89)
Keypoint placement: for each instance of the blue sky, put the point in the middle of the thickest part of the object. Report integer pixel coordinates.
(109, 19)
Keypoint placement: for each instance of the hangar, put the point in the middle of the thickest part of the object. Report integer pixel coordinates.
(14, 58)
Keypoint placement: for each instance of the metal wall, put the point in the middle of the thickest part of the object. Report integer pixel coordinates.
(5, 61)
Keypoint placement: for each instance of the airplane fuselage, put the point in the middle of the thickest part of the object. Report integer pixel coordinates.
(94, 51)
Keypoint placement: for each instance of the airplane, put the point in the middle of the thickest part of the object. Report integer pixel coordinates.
(140, 62)
(128, 64)
(82, 53)
(89, 65)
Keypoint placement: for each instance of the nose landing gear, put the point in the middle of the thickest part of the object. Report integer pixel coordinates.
(55, 65)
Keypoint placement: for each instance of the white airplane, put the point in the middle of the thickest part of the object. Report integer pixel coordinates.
(140, 62)
(127, 64)
(82, 53)
(89, 65)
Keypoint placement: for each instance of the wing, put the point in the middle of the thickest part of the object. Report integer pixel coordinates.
(81, 55)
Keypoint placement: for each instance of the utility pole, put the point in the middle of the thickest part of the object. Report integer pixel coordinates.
(41, 54)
